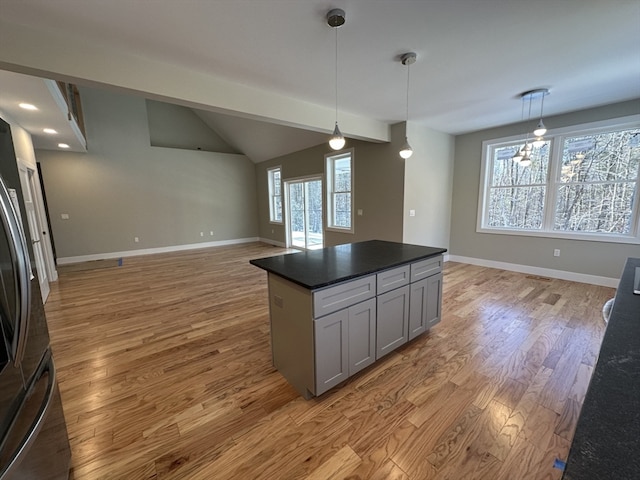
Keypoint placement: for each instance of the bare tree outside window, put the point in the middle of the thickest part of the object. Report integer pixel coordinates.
(578, 184)
(598, 182)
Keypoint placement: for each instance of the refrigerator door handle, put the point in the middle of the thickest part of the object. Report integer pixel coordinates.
(36, 425)
(22, 269)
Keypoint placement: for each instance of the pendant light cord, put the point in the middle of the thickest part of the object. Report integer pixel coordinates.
(407, 117)
(336, 72)
(528, 120)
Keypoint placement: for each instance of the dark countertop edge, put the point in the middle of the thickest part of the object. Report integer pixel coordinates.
(371, 272)
(606, 437)
(364, 273)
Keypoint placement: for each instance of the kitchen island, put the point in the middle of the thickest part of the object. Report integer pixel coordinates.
(337, 310)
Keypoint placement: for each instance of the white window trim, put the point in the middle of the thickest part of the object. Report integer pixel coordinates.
(558, 135)
(329, 191)
(269, 187)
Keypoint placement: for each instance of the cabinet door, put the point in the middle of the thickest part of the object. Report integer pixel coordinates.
(434, 300)
(331, 350)
(392, 321)
(418, 300)
(362, 335)
(424, 305)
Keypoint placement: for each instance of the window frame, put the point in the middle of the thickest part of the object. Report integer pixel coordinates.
(330, 159)
(272, 195)
(557, 137)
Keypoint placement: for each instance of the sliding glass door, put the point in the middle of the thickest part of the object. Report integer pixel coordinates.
(304, 213)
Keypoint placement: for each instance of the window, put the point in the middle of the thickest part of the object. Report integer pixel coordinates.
(582, 183)
(275, 195)
(339, 171)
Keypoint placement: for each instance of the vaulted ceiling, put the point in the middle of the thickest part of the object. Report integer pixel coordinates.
(268, 66)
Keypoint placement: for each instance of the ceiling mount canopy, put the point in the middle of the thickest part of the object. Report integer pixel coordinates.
(409, 58)
(335, 19)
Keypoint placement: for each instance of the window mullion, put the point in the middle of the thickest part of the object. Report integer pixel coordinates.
(555, 155)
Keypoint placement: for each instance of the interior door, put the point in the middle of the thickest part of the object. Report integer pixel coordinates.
(35, 227)
(304, 213)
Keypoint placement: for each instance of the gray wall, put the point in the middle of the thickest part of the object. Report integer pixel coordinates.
(428, 187)
(378, 190)
(124, 188)
(584, 257)
(175, 126)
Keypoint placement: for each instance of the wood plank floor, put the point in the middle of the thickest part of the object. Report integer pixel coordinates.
(165, 373)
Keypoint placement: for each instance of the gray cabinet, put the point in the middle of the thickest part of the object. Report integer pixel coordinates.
(426, 268)
(321, 337)
(434, 300)
(331, 350)
(344, 344)
(392, 320)
(424, 304)
(342, 295)
(392, 279)
(362, 335)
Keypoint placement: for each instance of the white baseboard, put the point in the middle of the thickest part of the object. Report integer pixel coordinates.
(151, 251)
(544, 272)
(272, 242)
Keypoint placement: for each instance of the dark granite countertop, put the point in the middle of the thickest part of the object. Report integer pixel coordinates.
(606, 444)
(315, 269)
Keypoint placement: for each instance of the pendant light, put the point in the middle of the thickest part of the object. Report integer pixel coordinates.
(540, 128)
(523, 155)
(407, 59)
(335, 19)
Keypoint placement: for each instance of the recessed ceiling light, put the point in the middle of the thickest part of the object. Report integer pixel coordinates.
(27, 106)
(50, 131)
(63, 145)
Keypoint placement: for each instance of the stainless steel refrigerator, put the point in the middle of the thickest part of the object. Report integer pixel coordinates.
(33, 434)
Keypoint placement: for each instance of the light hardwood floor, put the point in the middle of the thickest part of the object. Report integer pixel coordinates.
(165, 372)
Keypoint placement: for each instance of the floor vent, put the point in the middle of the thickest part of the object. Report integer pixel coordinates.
(537, 277)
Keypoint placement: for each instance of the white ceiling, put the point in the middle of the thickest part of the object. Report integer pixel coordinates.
(474, 56)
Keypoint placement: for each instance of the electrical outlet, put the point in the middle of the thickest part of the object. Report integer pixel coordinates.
(202, 234)
(211, 233)
(556, 252)
(136, 239)
(64, 216)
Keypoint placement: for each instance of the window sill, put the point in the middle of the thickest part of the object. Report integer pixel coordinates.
(587, 237)
(339, 230)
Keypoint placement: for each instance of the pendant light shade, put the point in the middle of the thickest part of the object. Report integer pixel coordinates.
(336, 140)
(518, 155)
(335, 19)
(406, 151)
(407, 59)
(540, 129)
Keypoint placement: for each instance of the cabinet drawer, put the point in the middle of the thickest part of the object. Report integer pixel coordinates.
(426, 268)
(392, 279)
(343, 295)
